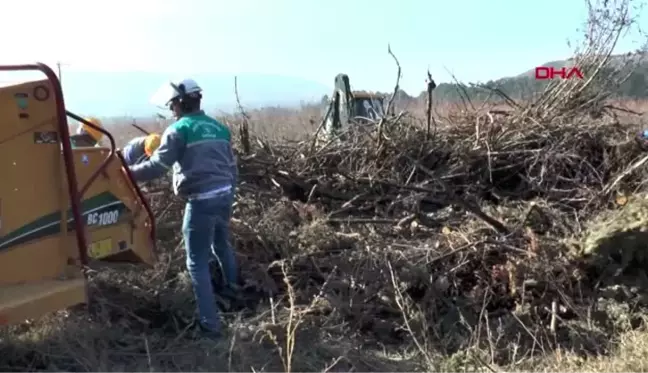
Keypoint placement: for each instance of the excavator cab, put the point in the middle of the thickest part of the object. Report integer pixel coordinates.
(347, 108)
(367, 106)
(61, 208)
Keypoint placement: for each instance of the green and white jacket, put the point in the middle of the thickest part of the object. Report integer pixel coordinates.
(199, 150)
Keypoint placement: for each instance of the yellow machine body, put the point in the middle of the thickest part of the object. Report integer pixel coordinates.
(40, 260)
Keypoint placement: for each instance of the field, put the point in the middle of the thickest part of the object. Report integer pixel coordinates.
(463, 250)
(470, 237)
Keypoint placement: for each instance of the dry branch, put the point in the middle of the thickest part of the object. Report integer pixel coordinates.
(244, 126)
(390, 103)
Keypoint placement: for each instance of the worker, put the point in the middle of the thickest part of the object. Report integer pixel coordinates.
(200, 150)
(141, 148)
(86, 135)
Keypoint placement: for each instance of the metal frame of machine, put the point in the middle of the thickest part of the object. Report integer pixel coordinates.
(75, 193)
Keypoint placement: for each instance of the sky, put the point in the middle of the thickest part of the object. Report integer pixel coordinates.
(476, 40)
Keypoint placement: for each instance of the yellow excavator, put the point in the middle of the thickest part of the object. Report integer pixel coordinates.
(346, 107)
(61, 208)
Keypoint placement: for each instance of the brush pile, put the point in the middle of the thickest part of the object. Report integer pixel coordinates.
(453, 227)
(436, 235)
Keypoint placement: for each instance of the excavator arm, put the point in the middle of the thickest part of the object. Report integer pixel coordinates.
(341, 111)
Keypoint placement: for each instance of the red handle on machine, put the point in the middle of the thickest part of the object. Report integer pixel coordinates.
(104, 164)
(129, 176)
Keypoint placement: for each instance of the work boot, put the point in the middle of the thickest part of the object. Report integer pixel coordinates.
(231, 291)
(200, 331)
(218, 280)
(231, 298)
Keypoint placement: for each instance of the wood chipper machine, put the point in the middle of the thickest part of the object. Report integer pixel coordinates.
(60, 208)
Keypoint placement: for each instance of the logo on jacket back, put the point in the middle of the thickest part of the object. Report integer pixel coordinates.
(209, 131)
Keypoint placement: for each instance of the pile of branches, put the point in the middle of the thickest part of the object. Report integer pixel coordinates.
(467, 226)
(449, 219)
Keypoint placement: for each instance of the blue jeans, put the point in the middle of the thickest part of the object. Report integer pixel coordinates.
(206, 233)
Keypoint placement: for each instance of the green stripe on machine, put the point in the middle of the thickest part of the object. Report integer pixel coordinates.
(103, 209)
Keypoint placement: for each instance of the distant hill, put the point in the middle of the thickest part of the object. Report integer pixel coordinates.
(524, 85)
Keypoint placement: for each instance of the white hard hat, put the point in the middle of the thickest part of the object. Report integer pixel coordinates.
(174, 89)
